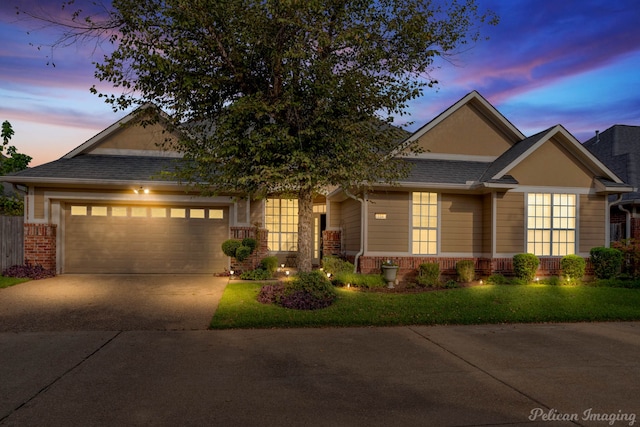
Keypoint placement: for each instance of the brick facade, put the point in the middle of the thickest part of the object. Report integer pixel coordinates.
(409, 265)
(40, 245)
(331, 243)
(261, 251)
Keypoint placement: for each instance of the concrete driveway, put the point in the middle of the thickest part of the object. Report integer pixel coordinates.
(89, 302)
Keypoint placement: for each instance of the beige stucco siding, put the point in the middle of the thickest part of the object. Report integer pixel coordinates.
(351, 225)
(465, 132)
(461, 223)
(551, 165)
(510, 223)
(390, 234)
(592, 222)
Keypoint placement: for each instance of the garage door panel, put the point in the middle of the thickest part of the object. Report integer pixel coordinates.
(108, 244)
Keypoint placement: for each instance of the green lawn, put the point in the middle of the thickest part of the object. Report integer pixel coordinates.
(474, 305)
(5, 282)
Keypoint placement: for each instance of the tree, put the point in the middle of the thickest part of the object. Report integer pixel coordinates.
(279, 96)
(14, 161)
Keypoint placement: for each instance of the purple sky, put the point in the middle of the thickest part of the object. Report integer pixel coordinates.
(548, 62)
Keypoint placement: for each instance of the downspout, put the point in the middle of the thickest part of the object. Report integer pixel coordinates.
(627, 231)
(362, 228)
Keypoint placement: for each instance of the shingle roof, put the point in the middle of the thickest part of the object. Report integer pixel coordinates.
(619, 149)
(100, 167)
(444, 171)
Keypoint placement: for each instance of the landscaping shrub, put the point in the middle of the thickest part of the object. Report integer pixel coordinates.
(451, 284)
(606, 262)
(366, 281)
(335, 265)
(28, 271)
(466, 270)
(573, 267)
(630, 249)
(525, 266)
(429, 274)
(497, 279)
(269, 264)
(306, 291)
(243, 253)
(271, 294)
(230, 246)
(250, 242)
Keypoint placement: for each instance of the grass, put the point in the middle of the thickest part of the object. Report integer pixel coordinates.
(5, 282)
(473, 305)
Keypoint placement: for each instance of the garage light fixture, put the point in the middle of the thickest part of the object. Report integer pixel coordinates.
(141, 190)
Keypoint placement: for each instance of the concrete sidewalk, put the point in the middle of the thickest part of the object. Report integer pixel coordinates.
(497, 375)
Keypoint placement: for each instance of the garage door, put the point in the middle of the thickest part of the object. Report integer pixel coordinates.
(144, 239)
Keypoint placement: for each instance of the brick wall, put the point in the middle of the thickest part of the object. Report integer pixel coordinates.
(40, 245)
(331, 243)
(261, 251)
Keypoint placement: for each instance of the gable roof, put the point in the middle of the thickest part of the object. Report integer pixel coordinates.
(474, 98)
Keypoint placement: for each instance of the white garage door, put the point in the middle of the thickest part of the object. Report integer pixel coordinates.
(144, 239)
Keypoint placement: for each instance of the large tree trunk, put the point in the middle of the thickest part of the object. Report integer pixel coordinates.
(305, 229)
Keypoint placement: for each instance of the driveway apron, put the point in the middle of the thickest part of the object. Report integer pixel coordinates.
(88, 302)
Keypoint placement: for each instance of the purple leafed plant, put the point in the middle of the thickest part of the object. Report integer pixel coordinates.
(33, 272)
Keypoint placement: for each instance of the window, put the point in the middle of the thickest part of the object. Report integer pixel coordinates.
(424, 230)
(196, 213)
(216, 214)
(79, 210)
(158, 213)
(98, 211)
(281, 219)
(138, 212)
(178, 213)
(551, 224)
(118, 211)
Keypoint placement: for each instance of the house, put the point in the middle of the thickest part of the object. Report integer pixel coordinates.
(480, 190)
(619, 148)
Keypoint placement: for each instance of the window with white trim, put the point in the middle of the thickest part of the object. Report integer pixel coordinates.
(424, 220)
(281, 219)
(551, 224)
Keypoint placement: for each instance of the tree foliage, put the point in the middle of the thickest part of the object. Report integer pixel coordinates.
(14, 161)
(280, 96)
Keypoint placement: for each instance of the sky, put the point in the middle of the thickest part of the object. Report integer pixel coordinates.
(548, 62)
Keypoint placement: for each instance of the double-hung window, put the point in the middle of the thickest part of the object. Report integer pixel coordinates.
(281, 220)
(424, 217)
(551, 224)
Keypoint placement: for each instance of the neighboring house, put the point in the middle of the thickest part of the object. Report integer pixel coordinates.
(480, 190)
(619, 148)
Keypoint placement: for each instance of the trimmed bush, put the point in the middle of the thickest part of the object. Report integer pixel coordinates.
(573, 267)
(466, 270)
(335, 265)
(429, 274)
(308, 291)
(230, 246)
(243, 253)
(269, 264)
(525, 266)
(250, 242)
(606, 262)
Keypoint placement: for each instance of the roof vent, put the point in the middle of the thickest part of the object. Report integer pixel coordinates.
(597, 136)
